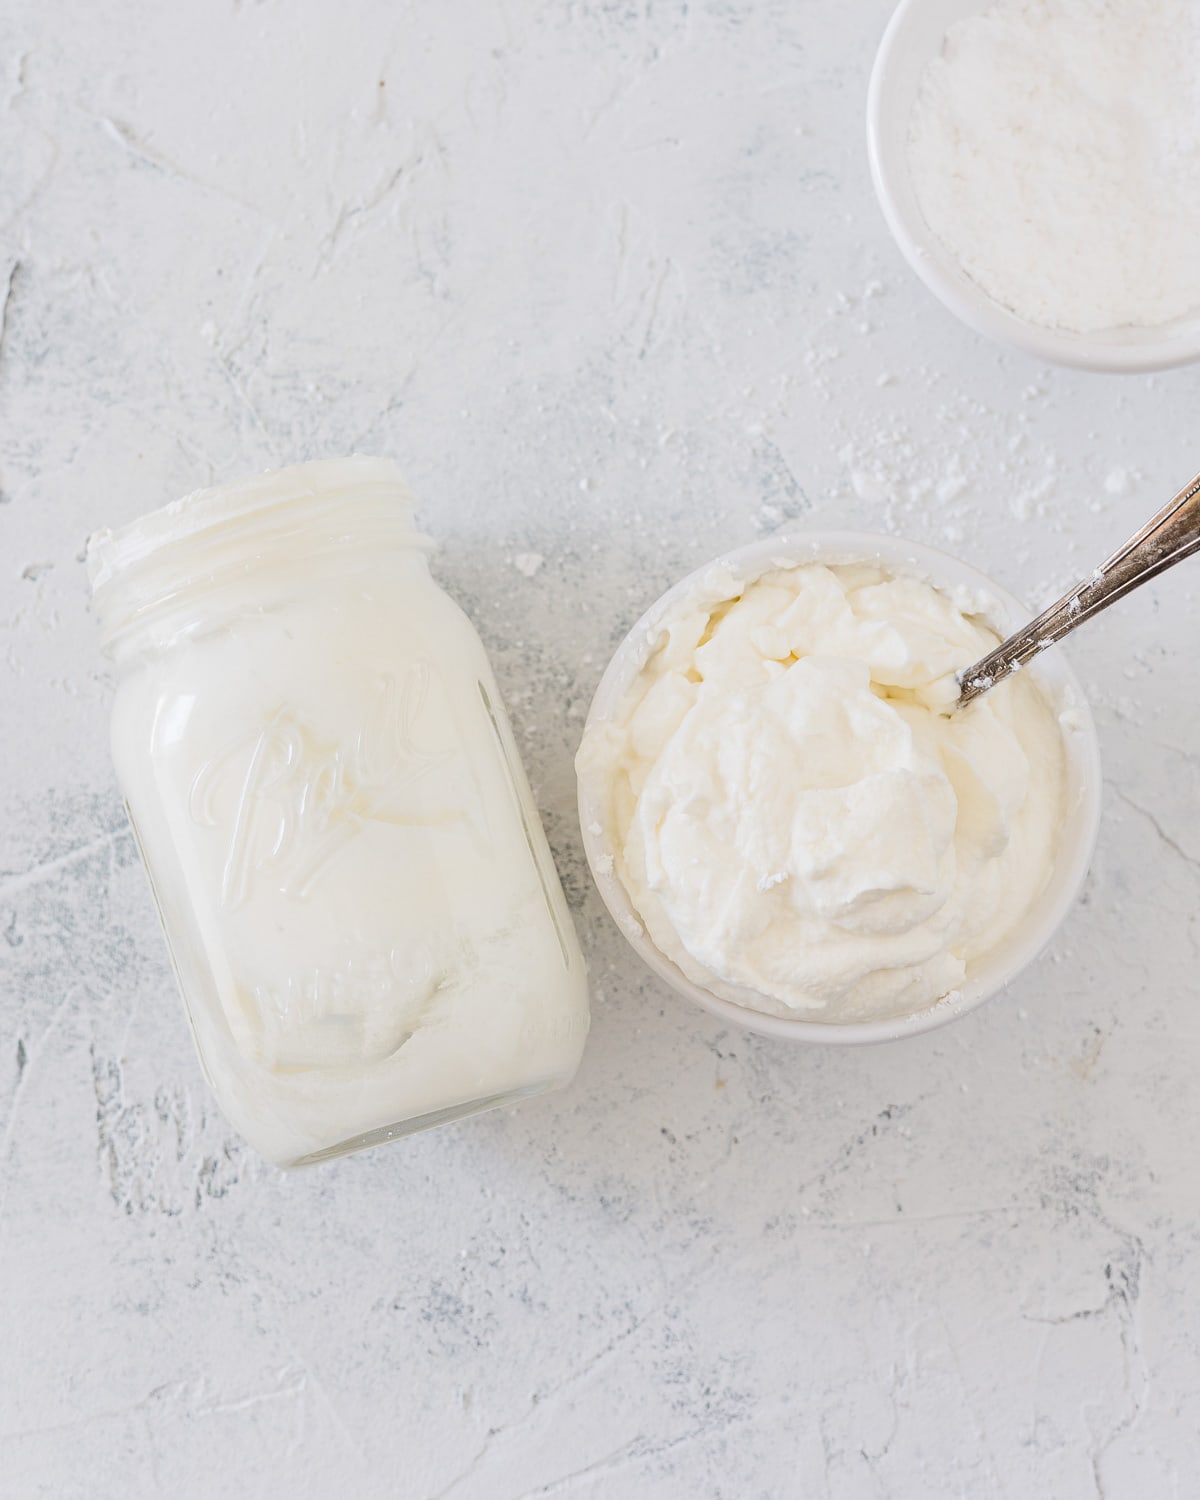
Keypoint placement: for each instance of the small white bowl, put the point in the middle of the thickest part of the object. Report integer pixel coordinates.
(913, 38)
(1005, 613)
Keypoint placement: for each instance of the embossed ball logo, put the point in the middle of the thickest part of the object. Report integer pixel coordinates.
(297, 803)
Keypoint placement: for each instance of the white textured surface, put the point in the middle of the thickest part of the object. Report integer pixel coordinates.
(608, 280)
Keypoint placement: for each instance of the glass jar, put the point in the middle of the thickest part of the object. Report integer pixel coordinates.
(360, 904)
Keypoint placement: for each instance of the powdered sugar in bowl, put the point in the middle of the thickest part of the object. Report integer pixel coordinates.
(1040, 171)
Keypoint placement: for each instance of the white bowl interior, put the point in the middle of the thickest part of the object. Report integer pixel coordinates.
(1053, 671)
(914, 36)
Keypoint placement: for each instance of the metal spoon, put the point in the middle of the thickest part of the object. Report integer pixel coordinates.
(1169, 537)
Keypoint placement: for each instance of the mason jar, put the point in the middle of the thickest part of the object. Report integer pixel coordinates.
(355, 888)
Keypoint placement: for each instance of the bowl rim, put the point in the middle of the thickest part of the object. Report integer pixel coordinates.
(945, 278)
(792, 548)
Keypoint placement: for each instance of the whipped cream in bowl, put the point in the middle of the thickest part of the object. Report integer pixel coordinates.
(790, 825)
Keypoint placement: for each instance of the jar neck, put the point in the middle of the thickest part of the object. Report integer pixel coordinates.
(164, 575)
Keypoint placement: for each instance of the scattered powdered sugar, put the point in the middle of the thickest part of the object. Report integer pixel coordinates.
(1055, 151)
(528, 563)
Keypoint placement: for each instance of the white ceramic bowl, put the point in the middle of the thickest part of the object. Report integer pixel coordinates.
(914, 36)
(1083, 782)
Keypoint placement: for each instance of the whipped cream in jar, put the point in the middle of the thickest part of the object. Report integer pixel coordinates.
(355, 887)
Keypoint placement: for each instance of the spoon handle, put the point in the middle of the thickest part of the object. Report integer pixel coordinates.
(1166, 539)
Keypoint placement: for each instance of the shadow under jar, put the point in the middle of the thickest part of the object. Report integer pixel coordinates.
(358, 897)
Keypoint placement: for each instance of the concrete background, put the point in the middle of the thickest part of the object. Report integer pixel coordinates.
(609, 280)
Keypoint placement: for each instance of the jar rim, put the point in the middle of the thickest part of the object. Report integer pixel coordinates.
(206, 510)
(311, 510)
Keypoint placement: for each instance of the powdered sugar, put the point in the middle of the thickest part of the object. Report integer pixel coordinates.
(1055, 151)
